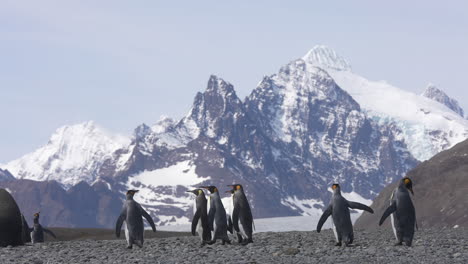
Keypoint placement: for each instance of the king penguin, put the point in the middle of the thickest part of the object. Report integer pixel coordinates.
(132, 214)
(11, 224)
(37, 233)
(339, 210)
(402, 213)
(217, 219)
(243, 214)
(200, 217)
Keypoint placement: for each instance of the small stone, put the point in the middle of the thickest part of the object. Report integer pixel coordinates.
(291, 251)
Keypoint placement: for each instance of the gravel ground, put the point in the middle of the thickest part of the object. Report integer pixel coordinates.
(429, 246)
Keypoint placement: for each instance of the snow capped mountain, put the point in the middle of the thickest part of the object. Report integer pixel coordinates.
(326, 58)
(73, 154)
(434, 93)
(427, 127)
(312, 124)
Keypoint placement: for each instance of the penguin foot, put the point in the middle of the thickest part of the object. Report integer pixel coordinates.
(408, 244)
(129, 247)
(226, 241)
(399, 244)
(338, 244)
(211, 242)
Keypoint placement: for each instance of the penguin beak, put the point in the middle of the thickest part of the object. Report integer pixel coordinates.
(411, 190)
(192, 191)
(204, 187)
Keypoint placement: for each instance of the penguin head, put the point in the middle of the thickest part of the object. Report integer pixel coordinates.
(197, 192)
(212, 189)
(36, 218)
(236, 187)
(336, 188)
(408, 184)
(131, 193)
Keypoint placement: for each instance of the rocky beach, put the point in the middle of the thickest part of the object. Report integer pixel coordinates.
(429, 246)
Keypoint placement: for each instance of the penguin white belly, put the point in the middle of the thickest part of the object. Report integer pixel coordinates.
(127, 233)
(200, 229)
(335, 232)
(393, 226)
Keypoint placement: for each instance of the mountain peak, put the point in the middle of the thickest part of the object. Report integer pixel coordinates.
(325, 57)
(218, 85)
(438, 95)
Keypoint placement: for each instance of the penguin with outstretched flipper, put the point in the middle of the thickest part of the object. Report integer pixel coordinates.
(132, 213)
(339, 210)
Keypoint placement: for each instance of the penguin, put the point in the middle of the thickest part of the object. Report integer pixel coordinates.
(217, 219)
(37, 232)
(339, 210)
(243, 214)
(403, 213)
(200, 217)
(132, 214)
(11, 224)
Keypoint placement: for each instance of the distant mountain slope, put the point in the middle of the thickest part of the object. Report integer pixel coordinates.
(5, 175)
(429, 123)
(80, 206)
(73, 154)
(440, 191)
(434, 93)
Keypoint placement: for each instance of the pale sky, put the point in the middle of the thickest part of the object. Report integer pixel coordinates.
(123, 63)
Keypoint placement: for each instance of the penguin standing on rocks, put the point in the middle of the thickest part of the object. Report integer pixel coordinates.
(200, 217)
(37, 233)
(402, 213)
(243, 214)
(339, 210)
(11, 224)
(132, 214)
(217, 219)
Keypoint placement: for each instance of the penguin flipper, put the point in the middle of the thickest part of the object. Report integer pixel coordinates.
(195, 219)
(235, 218)
(388, 211)
(324, 218)
(49, 232)
(119, 223)
(149, 219)
(360, 206)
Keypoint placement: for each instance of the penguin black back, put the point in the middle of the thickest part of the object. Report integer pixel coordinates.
(11, 224)
(402, 212)
(242, 213)
(200, 217)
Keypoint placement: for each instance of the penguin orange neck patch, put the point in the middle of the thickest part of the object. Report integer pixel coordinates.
(407, 181)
